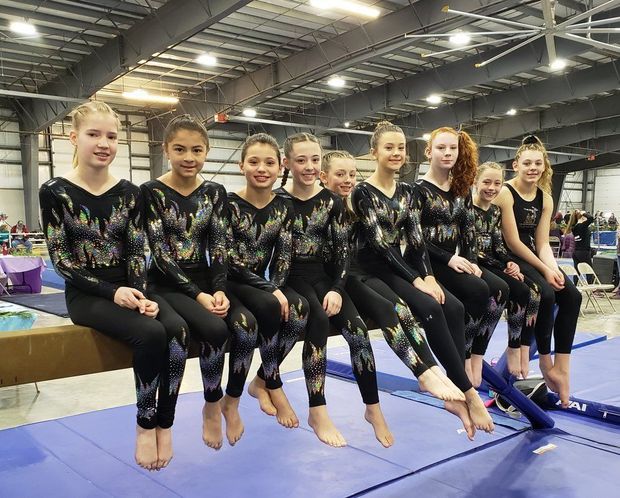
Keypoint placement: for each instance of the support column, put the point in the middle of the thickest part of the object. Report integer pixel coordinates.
(157, 160)
(29, 143)
(415, 151)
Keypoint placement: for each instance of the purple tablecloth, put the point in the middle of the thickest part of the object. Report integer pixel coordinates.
(24, 270)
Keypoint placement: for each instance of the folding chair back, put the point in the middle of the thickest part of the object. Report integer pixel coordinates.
(585, 269)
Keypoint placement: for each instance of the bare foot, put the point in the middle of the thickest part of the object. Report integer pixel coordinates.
(525, 361)
(513, 357)
(431, 383)
(476, 370)
(212, 425)
(257, 390)
(324, 428)
(468, 370)
(374, 416)
(559, 377)
(459, 408)
(285, 414)
(546, 365)
(234, 424)
(146, 448)
(457, 394)
(478, 412)
(164, 447)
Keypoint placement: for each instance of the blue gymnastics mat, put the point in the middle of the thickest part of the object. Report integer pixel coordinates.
(512, 469)
(92, 454)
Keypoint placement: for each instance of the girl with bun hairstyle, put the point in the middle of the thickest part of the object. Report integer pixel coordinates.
(526, 205)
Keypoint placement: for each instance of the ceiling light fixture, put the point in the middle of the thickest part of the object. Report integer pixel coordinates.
(557, 64)
(23, 28)
(147, 97)
(206, 60)
(460, 39)
(349, 6)
(434, 99)
(347, 124)
(336, 82)
(426, 136)
(249, 112)
(511, 112)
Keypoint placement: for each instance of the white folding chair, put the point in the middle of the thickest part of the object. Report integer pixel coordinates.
(570, 272)
(586, 270)
(555, 244)
(4, 282)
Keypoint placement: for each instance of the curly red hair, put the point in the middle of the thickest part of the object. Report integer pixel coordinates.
(464, 170)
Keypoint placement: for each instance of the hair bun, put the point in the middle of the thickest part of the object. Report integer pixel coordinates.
(531, 139)
(383, 124)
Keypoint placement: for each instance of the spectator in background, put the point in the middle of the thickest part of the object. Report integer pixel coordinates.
(617, 289)
(555, 229)
(4, 229)
(583, 250)
(568, 239)
(612, 222)
(19, 236)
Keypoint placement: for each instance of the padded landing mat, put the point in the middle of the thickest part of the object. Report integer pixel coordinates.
(92, 454)
(511, 469)
(53, 303)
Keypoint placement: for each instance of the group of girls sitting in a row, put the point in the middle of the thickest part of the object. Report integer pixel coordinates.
(259, 267)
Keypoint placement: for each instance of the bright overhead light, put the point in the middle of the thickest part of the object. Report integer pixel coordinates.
(336, 82)
(434, 99)
(347, 124)
(206, 60)
(558, 65)
(511, 112)
(426, 136)
(460, 39)
(350, 6)
(249, 112)
(147, 97)
(23, 28)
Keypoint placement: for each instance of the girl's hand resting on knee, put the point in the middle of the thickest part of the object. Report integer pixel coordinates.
(462, 265)
(555, 278)
(208, 302)
(221, 304)
(430, 286)
(130, 298)
(332, 302)
(151, 308)
(283, 304)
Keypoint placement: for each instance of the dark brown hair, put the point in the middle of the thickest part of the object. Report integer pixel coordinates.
(185, 122)
(260, 138)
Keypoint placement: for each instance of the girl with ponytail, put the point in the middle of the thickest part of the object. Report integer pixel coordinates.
(526, 206)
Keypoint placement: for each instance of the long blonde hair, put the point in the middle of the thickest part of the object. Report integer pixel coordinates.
(532, 142)
(81, 112)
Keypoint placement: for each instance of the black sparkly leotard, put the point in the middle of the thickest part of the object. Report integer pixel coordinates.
(524, 296)
(384, 222)
(96, 243)
(261, 239)
(448, 227)
(187, 235)
(316, 219)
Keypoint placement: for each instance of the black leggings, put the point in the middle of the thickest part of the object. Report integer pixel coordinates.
(523, 306)
(205, 327)
(569, 303)
(444, 324)
(159, 349)
(311, 281)
(289, 334)
(254, 310)
(484, 299)
(388, 311)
